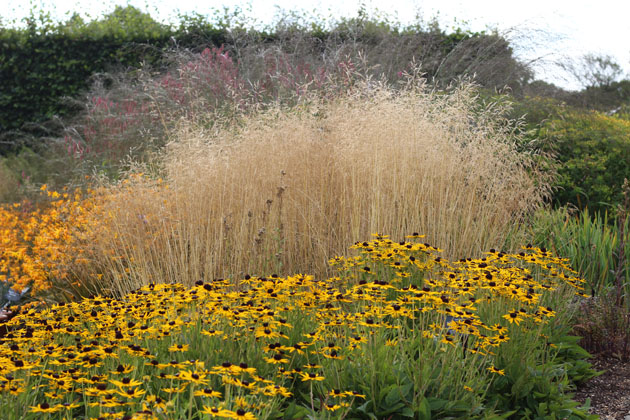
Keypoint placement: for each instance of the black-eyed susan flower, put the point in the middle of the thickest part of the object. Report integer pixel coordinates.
(239, 414)
(514, 316)
(131, 392)
(178, 347)
(208, 392)
(497, 371)
(156, 402)
(311, 376)
(211, 333)
(354, 394)
(125, 382)
(68, 405)
(196, 378)
(273, 390)
(216, 411)
(277, 358)
(44, 408)
(332, 406)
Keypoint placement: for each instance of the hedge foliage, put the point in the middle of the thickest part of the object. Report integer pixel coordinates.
(593, 154)
(46, 61)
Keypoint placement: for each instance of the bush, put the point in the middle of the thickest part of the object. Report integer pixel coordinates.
(61, 59)
(593, 154)
(589, 241)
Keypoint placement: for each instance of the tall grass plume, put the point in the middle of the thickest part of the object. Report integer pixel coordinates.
(289, 187)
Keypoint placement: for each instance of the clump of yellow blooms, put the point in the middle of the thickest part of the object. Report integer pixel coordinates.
(241, 349)
(39, 245)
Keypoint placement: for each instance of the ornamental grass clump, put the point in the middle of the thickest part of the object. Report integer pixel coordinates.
(286, 188)
(399, 332)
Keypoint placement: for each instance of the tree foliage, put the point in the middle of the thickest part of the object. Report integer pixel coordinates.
(47, 61)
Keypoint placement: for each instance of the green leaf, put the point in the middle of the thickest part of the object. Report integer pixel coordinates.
(424, 410)
(393, 396)
(436, 404)
(294, 411)
(407, 412)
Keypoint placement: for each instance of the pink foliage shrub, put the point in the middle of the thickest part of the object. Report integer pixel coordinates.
(135, 114)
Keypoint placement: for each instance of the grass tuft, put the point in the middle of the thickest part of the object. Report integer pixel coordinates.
(289, 187)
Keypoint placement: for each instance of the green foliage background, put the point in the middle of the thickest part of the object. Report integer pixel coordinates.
(45, 61)
(593, 158)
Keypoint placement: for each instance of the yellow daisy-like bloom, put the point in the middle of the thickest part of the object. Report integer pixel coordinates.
(131, 392)
(277, 359)
(273, 390)
(354, 394)
(241, 414)
(126, 382)
(211, 333)
(497, 371)
(178, 347)
(194, 377)
(514, 316)
(175, 390)
(311, 377)
(15, 390)
(266, 332)
(122, 370)
(44, 408)
(68, 406)
(216, 412)
(207, 392)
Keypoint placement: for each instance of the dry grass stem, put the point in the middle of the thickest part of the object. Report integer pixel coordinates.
(289, 189)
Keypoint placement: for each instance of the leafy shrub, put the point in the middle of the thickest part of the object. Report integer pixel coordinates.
(593, 154)
(61, 59)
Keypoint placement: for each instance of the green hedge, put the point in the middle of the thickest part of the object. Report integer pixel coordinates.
(593, 153)
(45, 62)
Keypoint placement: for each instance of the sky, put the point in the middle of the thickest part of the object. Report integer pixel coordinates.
(544, 32)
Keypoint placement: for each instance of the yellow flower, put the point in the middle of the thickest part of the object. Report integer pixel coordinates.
(178, 347)
(126, 382)
(495, 370)
(514, 316)
(207, 392)
(241, 414)
(194, 377)
(44, 408)
(311, 377)
(216, 412)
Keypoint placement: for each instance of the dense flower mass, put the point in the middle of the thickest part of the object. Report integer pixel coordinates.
(42, 243)
(256, 347)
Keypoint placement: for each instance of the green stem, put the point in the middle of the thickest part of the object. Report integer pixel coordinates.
(190, 400)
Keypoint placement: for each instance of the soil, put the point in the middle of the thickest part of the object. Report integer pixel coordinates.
(609, 392)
